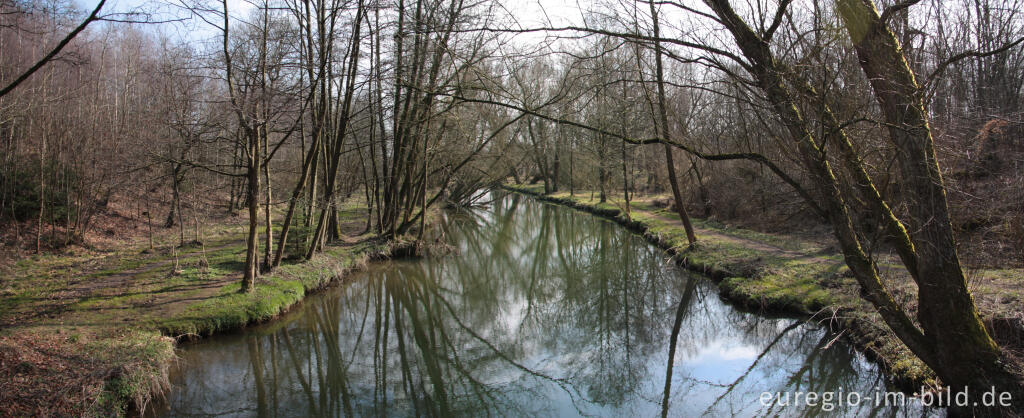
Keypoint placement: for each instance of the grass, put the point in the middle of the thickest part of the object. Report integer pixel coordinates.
(145, 372)
(786, 274)
(274, 293)
(752, 267)
(82, 370)
(102, 324)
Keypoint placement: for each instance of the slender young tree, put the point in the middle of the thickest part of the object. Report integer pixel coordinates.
(662, 128)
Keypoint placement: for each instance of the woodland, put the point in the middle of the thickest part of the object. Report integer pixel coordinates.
(891, 130)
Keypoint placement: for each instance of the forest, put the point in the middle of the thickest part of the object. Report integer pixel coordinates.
(173, 169)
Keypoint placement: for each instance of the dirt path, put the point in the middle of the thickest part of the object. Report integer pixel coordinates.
(740, 241)
(152, 289)
(126, 285)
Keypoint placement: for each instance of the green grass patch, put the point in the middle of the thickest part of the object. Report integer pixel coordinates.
(275, 293)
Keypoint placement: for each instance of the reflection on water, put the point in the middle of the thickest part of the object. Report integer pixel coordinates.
(541, 311)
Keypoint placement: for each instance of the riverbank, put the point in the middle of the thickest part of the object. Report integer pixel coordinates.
(92, 332)
(789, 275)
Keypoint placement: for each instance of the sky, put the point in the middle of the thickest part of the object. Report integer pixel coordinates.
(529, 13)
(178, 23)
(524, 14)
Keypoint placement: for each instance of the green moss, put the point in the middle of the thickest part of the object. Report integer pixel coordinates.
(232, 309)
(122, 301)
(275, 293)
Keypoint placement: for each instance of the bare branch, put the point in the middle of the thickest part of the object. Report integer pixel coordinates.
(56, 50)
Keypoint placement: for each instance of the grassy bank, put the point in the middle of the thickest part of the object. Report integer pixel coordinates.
(787, 274)
(93, 332)
(277, 291)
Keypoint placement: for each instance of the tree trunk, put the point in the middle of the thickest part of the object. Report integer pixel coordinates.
(602, 171)
(236, 193)
(175, 196)
(311, 192)
(251, 241)
(702, 187)
(307, 167)
(625, 179)
(572, 185)
(964, 353)
(268, 242)
(181, 214)
(554, 172)
(42, 197)
(659, 72)
(952, 340)
(677, 196)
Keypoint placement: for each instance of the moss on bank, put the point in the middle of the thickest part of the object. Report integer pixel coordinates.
(277, 291)
(93, 333)
(768, 273)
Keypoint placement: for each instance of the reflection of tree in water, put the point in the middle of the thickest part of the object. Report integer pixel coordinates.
(539, 311)
(589, 288)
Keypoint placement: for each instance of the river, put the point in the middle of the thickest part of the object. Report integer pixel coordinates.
(539, 310)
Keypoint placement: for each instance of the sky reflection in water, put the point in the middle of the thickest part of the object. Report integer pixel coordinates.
(541, 311)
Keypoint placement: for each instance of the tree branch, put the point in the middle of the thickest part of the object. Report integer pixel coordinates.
(56, 50)
(969, 54)
(755, 157)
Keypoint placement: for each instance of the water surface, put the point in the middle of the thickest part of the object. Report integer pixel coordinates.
(539, 311)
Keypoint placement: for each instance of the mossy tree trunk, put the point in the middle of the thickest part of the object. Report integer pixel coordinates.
(962, 351)
(951, 338)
